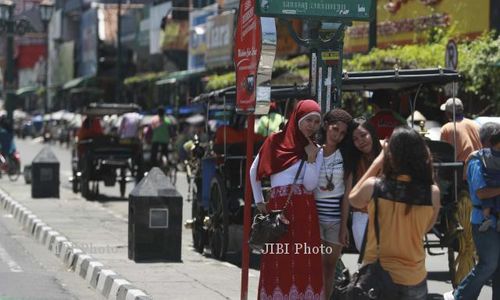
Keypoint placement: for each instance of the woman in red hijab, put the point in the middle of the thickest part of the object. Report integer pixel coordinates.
(291, 267)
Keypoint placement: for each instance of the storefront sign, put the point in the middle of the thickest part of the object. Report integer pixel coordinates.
(408, 22)
(220, 41)
(320, 9)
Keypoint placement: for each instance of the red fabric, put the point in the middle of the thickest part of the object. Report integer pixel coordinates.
(29, 55)
(384, 122)
(283, 149)
(296, 271)
(234, 136)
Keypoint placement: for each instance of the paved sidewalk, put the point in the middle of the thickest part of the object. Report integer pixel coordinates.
(70, 223)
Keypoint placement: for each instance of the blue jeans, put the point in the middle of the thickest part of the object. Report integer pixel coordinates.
(413, 292)
(488, 267)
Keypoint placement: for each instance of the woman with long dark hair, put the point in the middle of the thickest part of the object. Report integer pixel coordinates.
(291, 267)
(408, 203)
(366, 148)
(333, 188)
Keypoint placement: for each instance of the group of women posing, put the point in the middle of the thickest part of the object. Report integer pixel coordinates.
(329, 178)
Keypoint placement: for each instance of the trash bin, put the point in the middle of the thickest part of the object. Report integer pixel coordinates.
(45, 175)
(155, 220)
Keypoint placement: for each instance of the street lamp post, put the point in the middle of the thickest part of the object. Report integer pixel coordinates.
(6, 19)
(11, 28)
(46, 11)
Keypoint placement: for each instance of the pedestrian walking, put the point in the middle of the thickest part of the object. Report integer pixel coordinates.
(291, 268)
(467, 133)
(366, 148)
(333, 189)
(161, 136)
(129, 126)
(487, 242)
(407, 202)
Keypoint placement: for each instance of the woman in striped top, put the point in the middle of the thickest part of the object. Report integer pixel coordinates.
(331, 193)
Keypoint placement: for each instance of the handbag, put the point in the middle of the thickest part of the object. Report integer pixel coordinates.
(269, 228)
(371, 281)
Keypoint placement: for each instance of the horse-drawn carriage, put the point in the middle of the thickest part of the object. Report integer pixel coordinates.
(218, 177)
(105, 157)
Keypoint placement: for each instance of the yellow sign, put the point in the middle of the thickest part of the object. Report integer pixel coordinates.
(330, 55)
(402, 22)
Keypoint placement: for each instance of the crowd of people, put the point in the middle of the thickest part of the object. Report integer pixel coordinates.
(336, 166)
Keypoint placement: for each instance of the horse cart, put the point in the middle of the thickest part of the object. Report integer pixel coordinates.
(217, 176)
(105, 157)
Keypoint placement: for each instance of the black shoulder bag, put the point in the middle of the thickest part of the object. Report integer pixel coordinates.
(269, 228)
(371, 281)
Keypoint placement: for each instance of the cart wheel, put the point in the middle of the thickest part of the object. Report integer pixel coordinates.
(74, 184)
(461, 265)
(199, 234)
(14, 169)
(85, 187)
(219, 220)
(123, 183)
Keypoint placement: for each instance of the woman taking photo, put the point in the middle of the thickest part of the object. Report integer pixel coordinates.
(333, 189)
(366, 148)
(407, 203)
(291, 267)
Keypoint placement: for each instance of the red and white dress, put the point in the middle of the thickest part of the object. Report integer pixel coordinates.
(292, 268)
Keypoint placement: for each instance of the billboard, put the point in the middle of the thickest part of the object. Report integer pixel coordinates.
(406, 22)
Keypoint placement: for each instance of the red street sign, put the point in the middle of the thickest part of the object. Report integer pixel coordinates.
(248, 42)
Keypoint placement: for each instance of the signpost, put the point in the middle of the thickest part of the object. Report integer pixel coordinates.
(328, 10)
(254, 53)
(327, 21)
(451, 62)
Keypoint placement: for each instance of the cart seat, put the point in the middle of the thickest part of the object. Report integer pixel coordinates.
(445, 168)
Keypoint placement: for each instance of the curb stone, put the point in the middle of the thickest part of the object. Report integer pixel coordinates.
(106, 282)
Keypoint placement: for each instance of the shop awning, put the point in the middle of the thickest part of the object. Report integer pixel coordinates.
(26, 90)
(77, 82)
(181, 76)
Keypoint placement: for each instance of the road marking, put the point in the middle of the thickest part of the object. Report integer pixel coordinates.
(5, 257)
(8, 216)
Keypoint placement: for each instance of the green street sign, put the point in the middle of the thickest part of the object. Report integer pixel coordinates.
(331, 10)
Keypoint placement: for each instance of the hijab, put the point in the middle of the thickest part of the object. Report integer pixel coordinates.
(282, 149)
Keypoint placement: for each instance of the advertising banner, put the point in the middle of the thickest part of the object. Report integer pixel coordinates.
(88, 42)
(220, 41)
(248, 43)
(406, 22)
(198, 36)
(156, 14)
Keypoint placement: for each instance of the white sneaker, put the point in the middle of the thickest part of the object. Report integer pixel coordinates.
(448, 296)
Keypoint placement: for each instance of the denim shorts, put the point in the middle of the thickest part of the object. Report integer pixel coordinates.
(329, 232)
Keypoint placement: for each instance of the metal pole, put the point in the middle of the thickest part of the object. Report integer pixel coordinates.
(9, 72)
(119, 54)
(46, 98)
(372, 34)
(247, 213)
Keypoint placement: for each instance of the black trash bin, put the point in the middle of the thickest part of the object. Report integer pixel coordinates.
(45, 175)
(155, 220)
